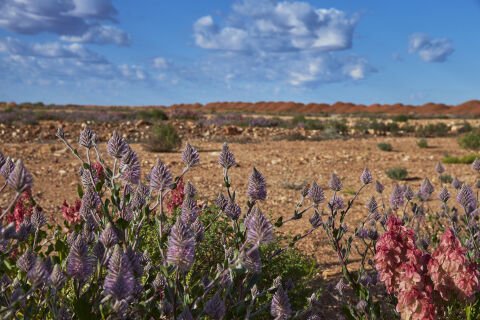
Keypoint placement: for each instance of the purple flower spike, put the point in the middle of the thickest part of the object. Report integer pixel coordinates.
(79, 262)
(7, 168)
(408, 193)
(130, 167)
(109, 236)
(117, 147)
(160, 177)
(466, 198)
(444, 195)
(336, 203)
(119, 281)
(396, 198)
(181, 246)
(426, 190)
(233, 210)
(26, 261)
(316, 193)
(190, 156)
(87, 138)
(439, 168)
(476, 165)
(259, 229)
(2, 159)
(57, 277)
(20, 179)
(379, 187)
(221, 202)
(372, 205)
(226, 158)
(457, 184)
(185, 315)
(257, 187)
(280, 308)
(366, 177)
(189, 190)
(252, 260)
(335, 183)
(39, 273)
(215, 307)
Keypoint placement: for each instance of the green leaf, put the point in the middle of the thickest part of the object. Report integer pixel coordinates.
(83, 308)
(279, 222)
(86, 166)
(80, 190)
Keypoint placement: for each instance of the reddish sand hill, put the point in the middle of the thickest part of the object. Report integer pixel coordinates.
(469, 108)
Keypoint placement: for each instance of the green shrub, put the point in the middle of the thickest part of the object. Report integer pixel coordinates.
(397, 173)
(470, 140)
(163, 137)
(401, 118)
(385, 146)
(422, 143)
(433, 130)
(446, 178)
(152, 115)
(468, 159)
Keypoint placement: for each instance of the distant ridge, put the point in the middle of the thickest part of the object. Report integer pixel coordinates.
(469, 108)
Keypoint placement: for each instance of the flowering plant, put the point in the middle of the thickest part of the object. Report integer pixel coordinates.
(140, 248)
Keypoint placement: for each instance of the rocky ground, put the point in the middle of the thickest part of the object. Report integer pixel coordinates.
(287, 165)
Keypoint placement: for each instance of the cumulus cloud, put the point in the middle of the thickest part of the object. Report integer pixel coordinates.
(270, 26)
(160, 63)
(77, 20)
(101, 34)
(430, 49)
(50, 50)
(293, 43)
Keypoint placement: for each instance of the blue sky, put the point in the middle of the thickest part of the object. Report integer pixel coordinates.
(163, 52)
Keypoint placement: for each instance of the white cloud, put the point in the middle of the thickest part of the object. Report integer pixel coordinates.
(77, 20)
(268, 26)
(160, 63)
(101, 34)
(429, 49)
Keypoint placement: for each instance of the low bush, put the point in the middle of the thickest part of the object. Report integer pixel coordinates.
(401, 118)
(163, 138)
(397, 173)
(422, 143)
(470, 140)
(152, 115)
(467, 159)
(385, 146)
(446, 178)
(432, 130)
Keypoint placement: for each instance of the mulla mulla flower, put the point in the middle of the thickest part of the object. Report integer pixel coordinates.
(316, 193)
(20, 179)
(117, 147)
(119, 281)
(280, 307)
(335, 183)
(444, 195)
(226, 158)
(221, 201)
(476, 165)
(439, 168)
(426, 190)
(457, 184)
(7, 168)
(109, 236)
(190, 156)
(87, 138)
(26, 261)
(366, 177)
(130, 167)
(181, 246)
(396, 198)
(252, 260)
(379, 187)
(39, 273)
(232, 210)
(189, 190)
(80, 263)
(160, 177)
(259, 229)
(257, 186)
(215, 307)
(57, 278)
(466, 197)
(372, 205)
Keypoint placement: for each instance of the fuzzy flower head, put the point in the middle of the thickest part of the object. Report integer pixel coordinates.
(257, 186)
(117, 147)
(439, 168)
(426, 190)
(444, 195)
(190, 156)
(226, 158)
(20, 179)
(160, 177)
(259, 229)
(466, 197)
(396, 198)
(336, 203)
(87, 138)
(379, 187)
(372, 205)
(280, 308)
(181, 246)
(316, 193)
(476, 165)
(215, 307)
(335, 183)
(119, 281)
(7, 168)
(453, 275)
(457, 184)
(366, 177)
(233, 210)
(130, 167)
(408, 193)
(80, 263)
